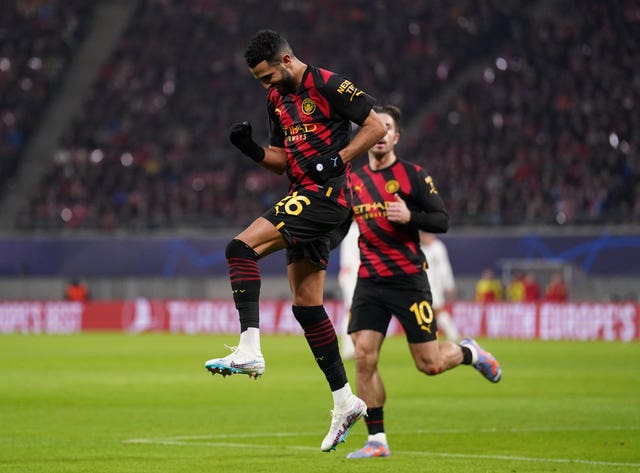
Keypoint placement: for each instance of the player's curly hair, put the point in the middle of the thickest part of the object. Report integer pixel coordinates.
(393, 111)
(266, 45)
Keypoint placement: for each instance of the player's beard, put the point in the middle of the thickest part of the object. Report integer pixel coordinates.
(287, 84)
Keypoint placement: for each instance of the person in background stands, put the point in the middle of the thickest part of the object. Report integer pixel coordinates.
(76, 290)
(516, 287)
(488, 288)
(531, 288)
(556, 290)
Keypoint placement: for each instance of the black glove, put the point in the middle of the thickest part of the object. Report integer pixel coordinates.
(240, 137)
(324, 167)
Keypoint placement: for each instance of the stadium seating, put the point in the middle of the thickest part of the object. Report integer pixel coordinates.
(547, 133)
(544, 133)
(37, 41)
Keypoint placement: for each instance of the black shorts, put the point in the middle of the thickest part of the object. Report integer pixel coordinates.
(306, 220)
(406, 297)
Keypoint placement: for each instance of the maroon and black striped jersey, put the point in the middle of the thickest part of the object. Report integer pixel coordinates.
(316, 120)
(388, 249)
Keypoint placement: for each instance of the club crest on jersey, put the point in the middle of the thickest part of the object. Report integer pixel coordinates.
(392, 186)
(308, 106)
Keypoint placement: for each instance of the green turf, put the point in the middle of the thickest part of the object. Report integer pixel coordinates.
(118, 403)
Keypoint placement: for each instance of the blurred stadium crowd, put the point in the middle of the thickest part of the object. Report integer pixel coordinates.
(37, 42)
(522, 112)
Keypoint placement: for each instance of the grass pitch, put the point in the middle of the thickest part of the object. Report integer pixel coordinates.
(118, 403)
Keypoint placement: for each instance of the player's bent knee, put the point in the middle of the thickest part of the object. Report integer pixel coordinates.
(239, 249)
